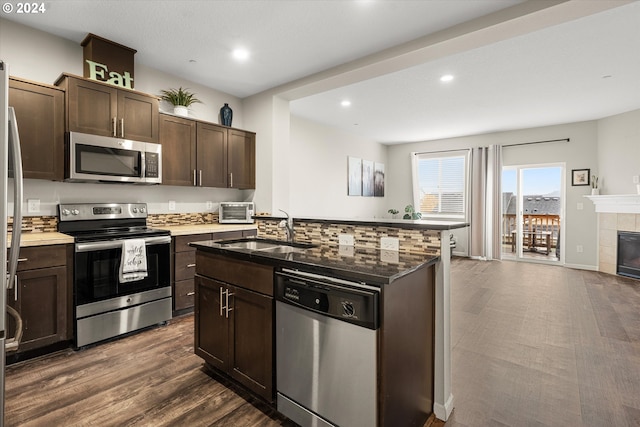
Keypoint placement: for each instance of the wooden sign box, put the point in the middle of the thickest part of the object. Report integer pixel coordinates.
(115, 56)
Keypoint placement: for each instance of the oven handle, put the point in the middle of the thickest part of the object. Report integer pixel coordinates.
(115, 244)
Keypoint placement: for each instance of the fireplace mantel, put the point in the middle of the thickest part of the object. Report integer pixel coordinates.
(621, 203)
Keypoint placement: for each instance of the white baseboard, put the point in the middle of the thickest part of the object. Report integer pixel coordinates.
(582, 267)
(443, 412)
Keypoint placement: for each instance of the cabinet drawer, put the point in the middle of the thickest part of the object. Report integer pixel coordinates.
(249, 275)
(34, 257)
(185, 265)
(184, 294)
(182, 242)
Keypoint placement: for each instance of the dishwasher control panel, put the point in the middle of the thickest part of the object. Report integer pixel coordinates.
(350, 304)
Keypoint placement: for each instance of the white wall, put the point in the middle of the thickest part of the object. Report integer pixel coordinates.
(619, 152)
(42, 57)
(318, 174)
(580, 153)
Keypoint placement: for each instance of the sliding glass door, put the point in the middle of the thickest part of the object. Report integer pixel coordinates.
(532, 207)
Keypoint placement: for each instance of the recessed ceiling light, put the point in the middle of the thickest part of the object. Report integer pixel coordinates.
(240, 54)
(446, 78)
(345, 103)
(192, 60)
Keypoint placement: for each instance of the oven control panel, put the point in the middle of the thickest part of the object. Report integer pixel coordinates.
(94, 211)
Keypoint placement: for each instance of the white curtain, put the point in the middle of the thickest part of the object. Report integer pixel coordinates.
(486, 196)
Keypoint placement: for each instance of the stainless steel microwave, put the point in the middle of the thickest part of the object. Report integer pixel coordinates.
(236, 212)
(106, 159)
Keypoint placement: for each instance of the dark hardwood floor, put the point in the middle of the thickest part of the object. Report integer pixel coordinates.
(147, 379)
(533, 345)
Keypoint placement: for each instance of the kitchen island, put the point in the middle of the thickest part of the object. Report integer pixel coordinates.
(235, 288)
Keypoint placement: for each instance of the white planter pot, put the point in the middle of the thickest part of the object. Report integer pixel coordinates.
(180, 110)
(595, 191)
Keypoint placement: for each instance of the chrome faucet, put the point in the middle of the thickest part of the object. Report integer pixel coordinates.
(288, 226)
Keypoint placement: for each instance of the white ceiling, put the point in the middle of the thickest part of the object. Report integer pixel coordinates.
(549, 74)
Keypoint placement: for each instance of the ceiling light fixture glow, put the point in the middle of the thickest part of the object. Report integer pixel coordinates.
(345, 103)
(240, 54)
(446, 78)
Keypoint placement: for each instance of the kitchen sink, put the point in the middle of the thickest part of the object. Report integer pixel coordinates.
(255, 245)
(283, 249)
(266, 245)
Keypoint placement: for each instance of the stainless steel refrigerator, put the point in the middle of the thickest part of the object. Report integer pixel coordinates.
(10, 173)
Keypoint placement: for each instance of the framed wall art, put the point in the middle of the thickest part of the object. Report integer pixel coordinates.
(354, 176)
(580, 177)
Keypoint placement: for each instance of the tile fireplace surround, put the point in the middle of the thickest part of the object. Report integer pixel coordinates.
(615, 213)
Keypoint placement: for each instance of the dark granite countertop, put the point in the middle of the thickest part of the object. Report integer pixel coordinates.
(422, 224)
(373, 266)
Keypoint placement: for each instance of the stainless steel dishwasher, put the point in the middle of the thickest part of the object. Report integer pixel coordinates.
(326, 350)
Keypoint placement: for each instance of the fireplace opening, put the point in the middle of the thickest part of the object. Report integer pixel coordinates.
(628, 263)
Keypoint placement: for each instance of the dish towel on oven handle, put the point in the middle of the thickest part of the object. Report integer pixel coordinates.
(133, 265)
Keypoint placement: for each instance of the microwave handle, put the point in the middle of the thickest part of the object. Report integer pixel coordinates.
(143, 165)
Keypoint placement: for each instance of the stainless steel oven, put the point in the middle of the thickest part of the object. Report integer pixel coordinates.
(106, 304)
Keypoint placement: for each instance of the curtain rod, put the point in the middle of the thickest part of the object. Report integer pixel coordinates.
(440, 151)
(504, 145)
(538, 142)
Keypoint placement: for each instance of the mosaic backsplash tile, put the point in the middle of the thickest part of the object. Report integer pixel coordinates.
(411, 240)
(36, 224)
(157, 220)
(45, 224)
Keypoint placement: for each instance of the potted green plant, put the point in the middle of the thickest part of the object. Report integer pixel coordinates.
(410, 213)
(181, 99)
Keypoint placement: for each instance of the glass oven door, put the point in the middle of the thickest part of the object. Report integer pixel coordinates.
(97, 266)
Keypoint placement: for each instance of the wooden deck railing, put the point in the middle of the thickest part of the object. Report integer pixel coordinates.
(531, 223)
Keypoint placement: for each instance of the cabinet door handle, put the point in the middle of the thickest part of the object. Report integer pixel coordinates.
(23, 259)
(200, 177)
(221, 293)
(190, 265)
(195, 184)
(114, 131)
(15, 288)
(231, 179)
(229, 294)
(189, 294)
(122, 127)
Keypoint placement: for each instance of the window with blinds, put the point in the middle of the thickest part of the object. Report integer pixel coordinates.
(441, 184)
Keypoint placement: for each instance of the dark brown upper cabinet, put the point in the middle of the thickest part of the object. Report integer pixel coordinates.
(178, 140)
(203, 154)
(101, 109)
(39, 112)
(241, 159)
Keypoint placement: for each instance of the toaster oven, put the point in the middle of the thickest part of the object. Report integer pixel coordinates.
(236, 213)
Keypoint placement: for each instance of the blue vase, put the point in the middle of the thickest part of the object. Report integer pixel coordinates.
(226, 115)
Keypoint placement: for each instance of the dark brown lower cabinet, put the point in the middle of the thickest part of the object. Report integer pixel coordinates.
(234, 326)
(184, 263)
(41, 296)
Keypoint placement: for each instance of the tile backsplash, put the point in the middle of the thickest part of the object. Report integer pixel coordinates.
(411, 240)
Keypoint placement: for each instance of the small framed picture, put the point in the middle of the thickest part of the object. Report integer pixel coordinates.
(580, 177)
